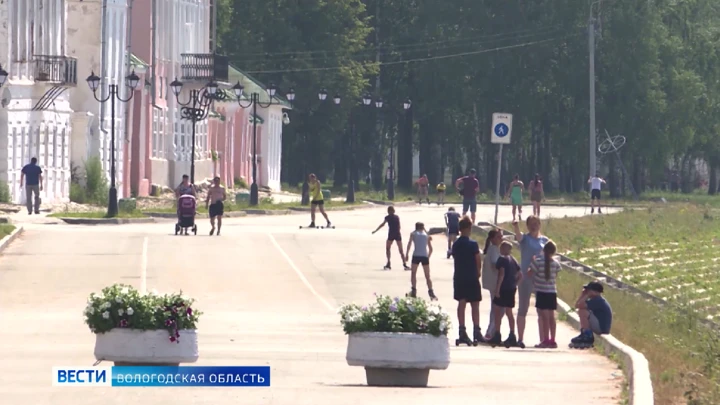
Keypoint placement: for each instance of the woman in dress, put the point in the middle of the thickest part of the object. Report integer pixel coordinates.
(537, 194)
(515, 192)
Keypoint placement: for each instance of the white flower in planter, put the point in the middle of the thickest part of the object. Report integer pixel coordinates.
(121, 312)
(125, 290)
(105, 305)
(443, 326)
(130, 311)
(118, 300)
(89, 310)
(106, 315)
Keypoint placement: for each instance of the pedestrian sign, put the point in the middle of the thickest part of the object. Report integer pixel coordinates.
(501, 128)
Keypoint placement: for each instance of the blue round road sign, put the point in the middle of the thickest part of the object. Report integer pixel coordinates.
(501, 130)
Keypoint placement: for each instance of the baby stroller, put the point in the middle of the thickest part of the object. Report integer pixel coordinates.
(186, 214)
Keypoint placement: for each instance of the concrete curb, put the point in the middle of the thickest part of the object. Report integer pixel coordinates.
(171, 215)
(393, 203)
(348, 208)
(637, 368)
(267, 212)
(5, 242)
(107, 221)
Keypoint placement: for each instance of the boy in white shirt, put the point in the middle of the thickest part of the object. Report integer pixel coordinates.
(595, 186)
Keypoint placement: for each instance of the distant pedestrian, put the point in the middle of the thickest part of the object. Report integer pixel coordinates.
(423, 184)
(452, 223)
(394, 235)
(531, 244)
(33, 181)
(595, 315)
(466, 281)
(441, 193)
(490, 273)
(515, 192)
(470, 188)
(316, 200)
(216, 196)
(595, 187)
(421, 256)
(537, 194)
(509, 275)
(543, 271)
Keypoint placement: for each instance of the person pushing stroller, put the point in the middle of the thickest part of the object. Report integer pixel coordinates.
(186, 206)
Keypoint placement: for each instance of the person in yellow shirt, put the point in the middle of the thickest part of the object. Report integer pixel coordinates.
(441, 193)
(316, 200)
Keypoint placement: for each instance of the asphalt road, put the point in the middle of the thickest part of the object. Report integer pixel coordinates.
(269, 292)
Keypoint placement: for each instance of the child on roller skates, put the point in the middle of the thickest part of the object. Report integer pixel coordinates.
(508, 277)
(595, 315)
(452, 221)
(393, 223)
(543, 272)
(466, 282)
(421, 255)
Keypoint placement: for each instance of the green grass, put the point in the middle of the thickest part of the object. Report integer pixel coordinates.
(684, 355)
(5, 230)
(96, 214)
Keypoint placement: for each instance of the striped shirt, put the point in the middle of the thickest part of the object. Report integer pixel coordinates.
(539, 281)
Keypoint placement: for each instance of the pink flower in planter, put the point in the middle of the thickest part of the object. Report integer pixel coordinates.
(123, 323)
(172, 338)
(189, 311)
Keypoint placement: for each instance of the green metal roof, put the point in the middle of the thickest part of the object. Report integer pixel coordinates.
(215, 114)
(258, 118)
(135, 61)
(253, 85)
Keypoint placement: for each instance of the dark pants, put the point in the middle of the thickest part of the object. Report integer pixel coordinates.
(29, 191)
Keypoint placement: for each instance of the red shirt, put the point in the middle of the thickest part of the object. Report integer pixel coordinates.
(471, 186)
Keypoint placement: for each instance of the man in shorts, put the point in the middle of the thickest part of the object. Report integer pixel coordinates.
(214, 203)
(466, 281)
(470, 188)
(595, 186)
(452, 223)
(316, 200)
(595, 314)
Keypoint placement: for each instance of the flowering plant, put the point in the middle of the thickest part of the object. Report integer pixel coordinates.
(122, 306)
(410, 315)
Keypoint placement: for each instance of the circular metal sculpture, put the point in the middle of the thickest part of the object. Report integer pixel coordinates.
(611, 144)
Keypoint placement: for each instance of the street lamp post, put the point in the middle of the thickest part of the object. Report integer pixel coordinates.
(366, 100)
(196, 109)
(391, 167)
(254, 102)
(131, 81)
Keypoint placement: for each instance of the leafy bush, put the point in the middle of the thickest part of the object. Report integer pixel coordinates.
(122, 306)
(409, 315)
(4, 192)
(95, 190)
(77, 193)
(240, 183)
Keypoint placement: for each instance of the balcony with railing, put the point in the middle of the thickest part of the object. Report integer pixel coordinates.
(204, 67)
(57, 70)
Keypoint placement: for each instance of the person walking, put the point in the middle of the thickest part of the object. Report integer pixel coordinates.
(543, 271)
(490, 273)
(515, 192)
(595, 187)
(531, 244)
(470, 188)
(421, 255)
(316, 200)
(452, 224)
(394, 235)
(214, 203)
(466, 281)
(537, 194)
(33, 182)
(185, 187)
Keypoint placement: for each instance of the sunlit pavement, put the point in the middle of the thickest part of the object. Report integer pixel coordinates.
(269, 291)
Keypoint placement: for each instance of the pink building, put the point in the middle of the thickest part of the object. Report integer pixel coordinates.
(172, 39)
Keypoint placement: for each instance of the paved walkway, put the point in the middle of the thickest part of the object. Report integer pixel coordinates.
(269, 292)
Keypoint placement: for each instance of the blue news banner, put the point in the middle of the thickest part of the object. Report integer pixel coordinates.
(161, 376)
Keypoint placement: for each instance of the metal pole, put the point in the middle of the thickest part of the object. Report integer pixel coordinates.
(497, 184)
(254, 187)
(391, 177)
(350, 198)
(112, 197)
(192, 158)
(591, 45)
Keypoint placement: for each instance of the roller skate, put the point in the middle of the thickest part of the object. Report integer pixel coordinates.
(387, 266)
(449, 253)
(512, 341)
(412, 293)
(464, 338)
(405, 266)
(478, 337)
(496, 340)
(585, 340)
(312, 225)
(432, 295)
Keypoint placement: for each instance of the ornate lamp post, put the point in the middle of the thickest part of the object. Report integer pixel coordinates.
(255, 102)
(391, 159)
(3, 76)
(196, 109)
(131, 81)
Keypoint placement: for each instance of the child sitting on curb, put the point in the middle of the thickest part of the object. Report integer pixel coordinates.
(595, 315)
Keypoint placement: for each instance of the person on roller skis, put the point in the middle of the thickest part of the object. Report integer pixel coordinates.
(317, 201)
(595, 315)
(466, 282)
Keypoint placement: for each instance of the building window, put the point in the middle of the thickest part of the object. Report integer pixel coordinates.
(155, 135)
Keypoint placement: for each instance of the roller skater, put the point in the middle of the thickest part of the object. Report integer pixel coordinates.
(466, 279)
(464, 338)
(423, 185)
(595, 315)
(317, 201)
(515, 192)
(595, 187)
(421, 255)
(452, 219)
(508, 276)
(441, 187)
(394, 235)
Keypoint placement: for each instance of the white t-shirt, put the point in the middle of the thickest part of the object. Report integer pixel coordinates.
(420, 240)
(596, 183)
(489, 272)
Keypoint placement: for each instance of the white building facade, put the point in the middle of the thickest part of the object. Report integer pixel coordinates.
(99, 41)
(35, 113)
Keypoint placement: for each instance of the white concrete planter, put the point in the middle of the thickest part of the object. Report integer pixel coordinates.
(146, 347)
(398, 359)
